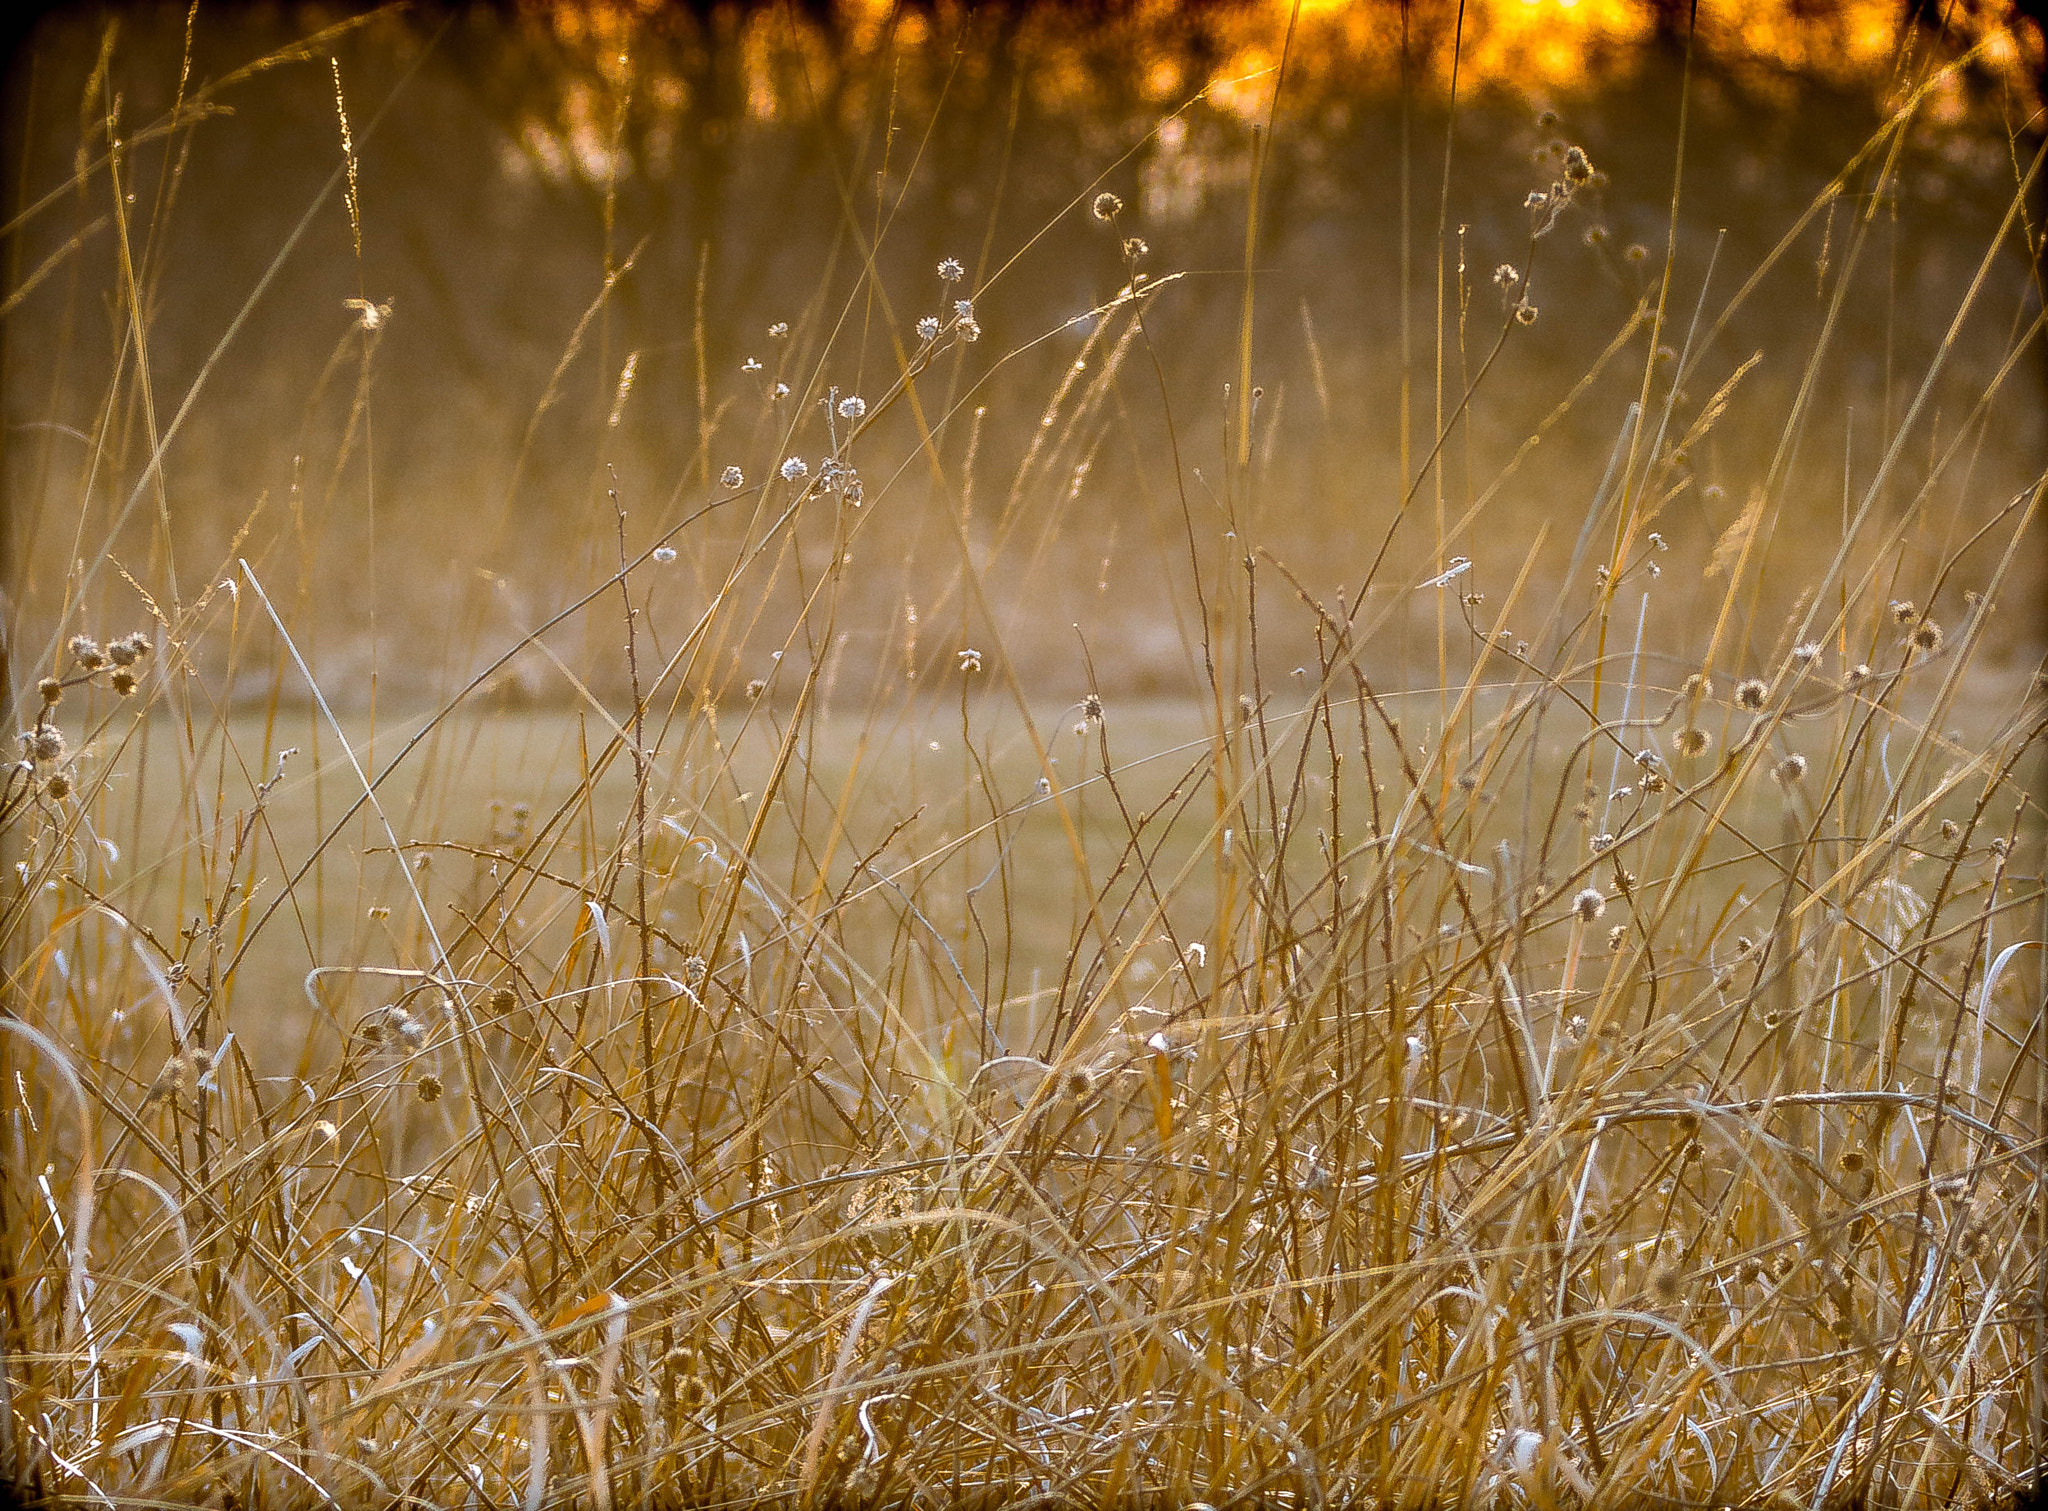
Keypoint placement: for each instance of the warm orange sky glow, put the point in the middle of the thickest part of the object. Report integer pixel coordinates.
(1539, 49)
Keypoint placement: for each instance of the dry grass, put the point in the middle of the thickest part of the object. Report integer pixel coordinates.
(1608, 1071)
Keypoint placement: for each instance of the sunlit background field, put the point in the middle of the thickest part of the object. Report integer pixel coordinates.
(849, 754)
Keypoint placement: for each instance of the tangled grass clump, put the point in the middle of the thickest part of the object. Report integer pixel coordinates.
(1607, 1071)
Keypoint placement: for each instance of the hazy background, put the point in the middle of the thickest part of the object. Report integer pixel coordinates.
(417, 495)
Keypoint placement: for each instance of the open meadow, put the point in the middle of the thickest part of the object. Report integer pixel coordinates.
(1069, 756)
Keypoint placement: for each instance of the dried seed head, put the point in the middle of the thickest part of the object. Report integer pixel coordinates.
(1617, 936)
(1790, 770)
(1525, 313)
(1853, 1161)
(852, 407)
(1091, 708)
(1750, 693)
(427, 1088)
(1636, 252)
(129, 649)
(51, 690)
(950, 270)
(1107, 206)
(1600, 842)
(1577, 167)
(1589, 904)
(123, 682)
(43, 743)
(1653, 781)
(1505, 276)
(970, 660)
(1902, 611)
(1080, 1083)
(795, 469)
(503, 1000)
(1692, 741)
(1134, 247)
(732, 478)
(1698, 685)
(1927, 636)
(58, 787)
(86, 652)
(756, 687)
(928, 328)
(325, 1136)
(1950, 829)
(1806, 652)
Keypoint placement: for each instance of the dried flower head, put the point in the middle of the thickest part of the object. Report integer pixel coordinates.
(502, 1000)
(1902, 611)
(928, 328)
(1750, 693)
(51, 691)
(1791, 770)
(58, 787)
(778, 331)
(970, 660)
(1806, 652)
(852, 407)
(950, 270)
(123, 681)
(1505, 276)
(1635, 252)
(1699, 685)
(1617, 936)
(1600, 843)
(1525, 313)
(1589, 904)
(1596, 236)
(1692, 741)
(1080, 1083)
(1577, 167)
(1950, 829)
(664, 554)
(969, 329)
(43, 743)
(756, 687)
(795, 469)
(1091, 708)
(1134, 248)
(732, 478)
(1927, 637)
(86, 652)
(1107, 206)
